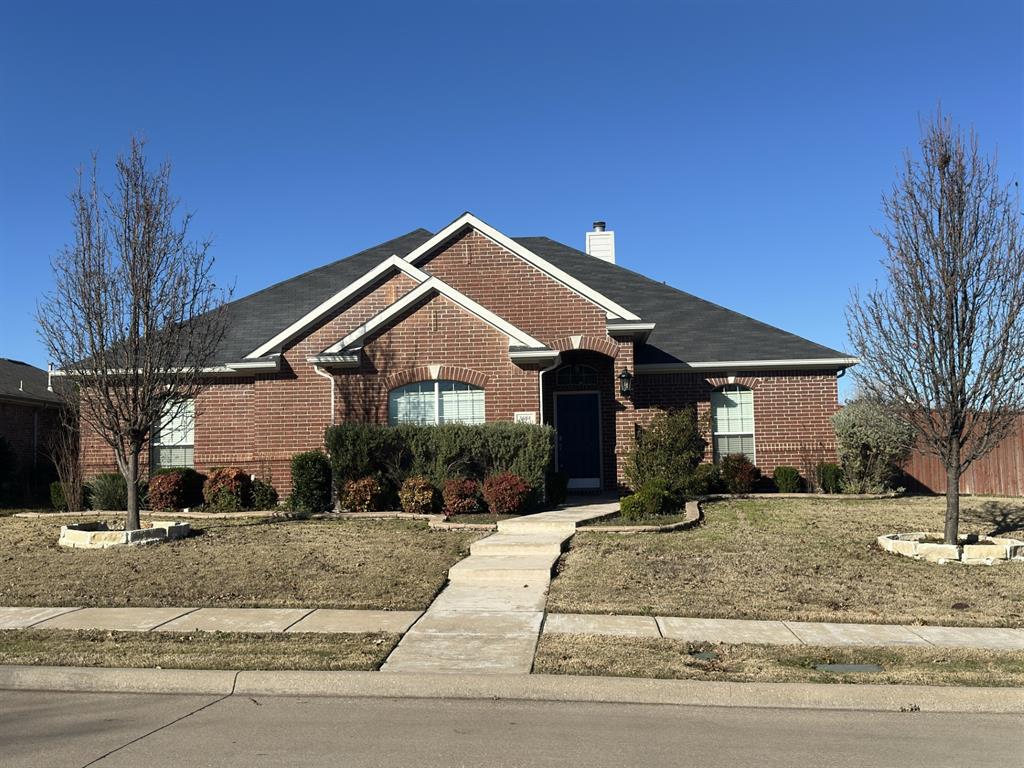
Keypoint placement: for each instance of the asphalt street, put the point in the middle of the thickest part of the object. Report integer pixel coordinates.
(157, 730)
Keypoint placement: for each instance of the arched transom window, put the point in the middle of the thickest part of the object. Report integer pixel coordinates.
(576, 375)
(436, 402)
(732, 421)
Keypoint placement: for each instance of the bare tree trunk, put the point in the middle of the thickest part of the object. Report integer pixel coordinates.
(953, 471)
(132, 517)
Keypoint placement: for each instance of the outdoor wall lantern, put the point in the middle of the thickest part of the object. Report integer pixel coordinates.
(626, 383)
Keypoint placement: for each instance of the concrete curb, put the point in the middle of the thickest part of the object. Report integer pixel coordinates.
(863, 697)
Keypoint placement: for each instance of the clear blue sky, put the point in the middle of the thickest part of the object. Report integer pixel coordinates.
(737, 149)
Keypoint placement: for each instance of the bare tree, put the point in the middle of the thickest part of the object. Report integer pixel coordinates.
(942, 345)
(62, 447)
(134, 316)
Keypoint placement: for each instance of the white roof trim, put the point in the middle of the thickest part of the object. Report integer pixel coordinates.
(433, 285)
(353, 288)
(241, 367)
(735, 365)
(468, 219)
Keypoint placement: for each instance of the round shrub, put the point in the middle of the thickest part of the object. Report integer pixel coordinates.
(787, 479)
(176, 488)
(738, 473)
(668, 451)
(460, 496)
(872, 446)
(652, 499)
(228, 489)
(506, 494)
(311, 482)
(264, 495)
(417, 495)
(830, 477)
(705, 480)
(362, 495)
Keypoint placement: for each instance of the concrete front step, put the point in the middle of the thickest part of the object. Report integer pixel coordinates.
(503, 569)
(527, 525)
(518, 544)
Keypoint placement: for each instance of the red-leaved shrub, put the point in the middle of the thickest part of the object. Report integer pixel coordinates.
(167, 492)
(362, 495)
(417, 495)
(738, 473)
(506, 494)
(228, 489)
(461, 496)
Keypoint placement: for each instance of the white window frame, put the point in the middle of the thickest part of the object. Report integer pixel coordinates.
(155, 443)
(753, 422)
(437, 400)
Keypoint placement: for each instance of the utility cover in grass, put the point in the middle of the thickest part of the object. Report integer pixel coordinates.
(844, 668)
(705, 655)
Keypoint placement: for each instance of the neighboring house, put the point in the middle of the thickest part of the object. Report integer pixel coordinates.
(29, 413)
(470, 325)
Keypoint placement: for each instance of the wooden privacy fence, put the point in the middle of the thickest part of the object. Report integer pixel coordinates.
(1000, 473)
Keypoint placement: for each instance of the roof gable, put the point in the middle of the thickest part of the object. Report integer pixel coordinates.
(467, 220)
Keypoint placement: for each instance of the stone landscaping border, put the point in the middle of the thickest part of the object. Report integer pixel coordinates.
(184, 514)
(694, 515)
(987, 550)
(96, 535)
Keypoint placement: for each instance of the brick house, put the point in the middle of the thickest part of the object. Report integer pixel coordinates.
(29, 413)
(471, 325)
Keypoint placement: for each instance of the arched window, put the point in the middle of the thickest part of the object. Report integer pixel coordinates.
(576, 375)
(436, 402)
(732, 421)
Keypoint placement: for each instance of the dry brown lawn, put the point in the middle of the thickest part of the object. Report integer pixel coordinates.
(198, 650)
(662, 658)
(383, 564)
(811, 559)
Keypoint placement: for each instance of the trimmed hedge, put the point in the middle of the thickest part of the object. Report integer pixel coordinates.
(228, 489)
(738, 473)
(311, 482)
(264, 495)
(506, 494)
(440, 452)
(653, 498)
(461, 496)
(184, 490)
(362, 495)
(417, 495)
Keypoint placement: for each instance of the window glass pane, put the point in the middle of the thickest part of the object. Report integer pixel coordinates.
(732, 420)
(173, 439)
(412, 404)
(462, 403)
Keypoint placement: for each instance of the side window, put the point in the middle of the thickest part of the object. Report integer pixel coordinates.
(173, 440)
(732, 421)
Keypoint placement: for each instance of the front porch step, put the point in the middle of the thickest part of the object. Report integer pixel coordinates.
(525, 525)
(503, 569)
(518, 544)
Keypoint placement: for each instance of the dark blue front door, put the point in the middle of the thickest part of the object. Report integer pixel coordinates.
(578, 424)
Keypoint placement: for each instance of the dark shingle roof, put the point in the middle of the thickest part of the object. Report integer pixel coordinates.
(22, 381)
(260, 316)
(689, 329)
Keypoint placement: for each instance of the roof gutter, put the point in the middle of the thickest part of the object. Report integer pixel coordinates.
(822, 363)
(227, 369)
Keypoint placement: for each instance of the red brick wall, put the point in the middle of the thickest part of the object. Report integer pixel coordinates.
(791, 410)
(515, 290)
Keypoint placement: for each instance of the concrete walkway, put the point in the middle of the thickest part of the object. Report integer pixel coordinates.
(208, 619)
(737, 631)
(488, 618)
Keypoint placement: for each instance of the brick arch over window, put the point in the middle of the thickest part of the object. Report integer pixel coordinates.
(444, 373)
(750, 382)
(601, 344)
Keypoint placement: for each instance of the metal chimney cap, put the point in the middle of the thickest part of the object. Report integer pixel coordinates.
(599, 226)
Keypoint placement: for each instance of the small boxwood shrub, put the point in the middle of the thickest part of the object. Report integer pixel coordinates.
(787, 479)
(228, 489)
(362, 495)
(506, 494)
(417, 495)
(461, 496)
(652, 499)
(738, 473)
(705, 480)
(829, 476)
(264, 495)
(311, 482)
